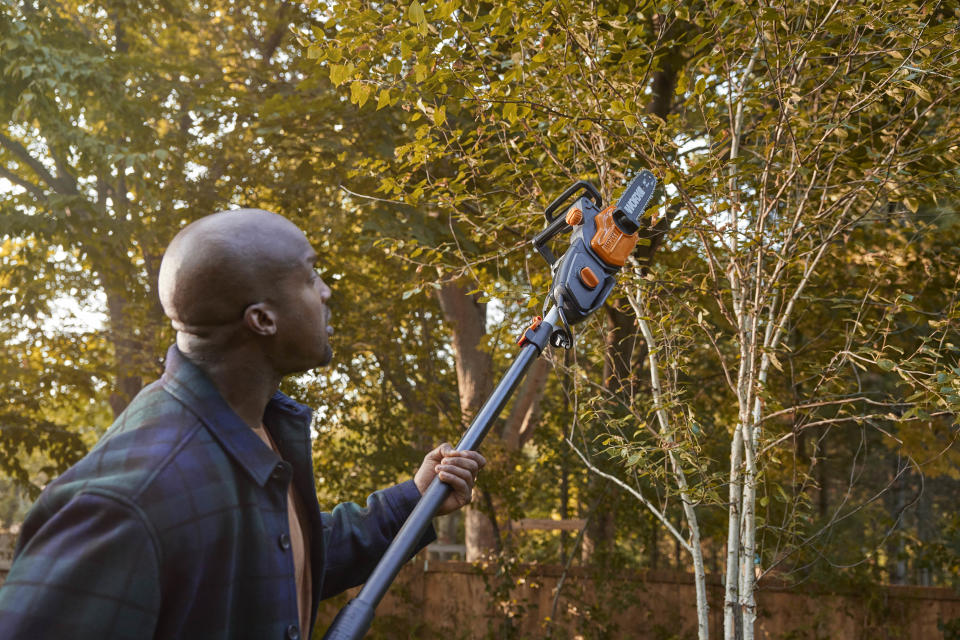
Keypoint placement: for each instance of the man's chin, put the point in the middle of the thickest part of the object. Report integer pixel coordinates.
(320, 361)
(327, 357)
(324, 358)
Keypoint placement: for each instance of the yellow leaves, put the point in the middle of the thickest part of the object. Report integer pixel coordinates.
(920, 91)
(9, 246)
(360, 92)
(925, 442)
(894, 91)
(581, 39)
(416, 16)
(510, 112)
(162, 127)
(446, 9)
(439, 115)
(340, 73)
(383, 99)
(420, 72)
(775, 361)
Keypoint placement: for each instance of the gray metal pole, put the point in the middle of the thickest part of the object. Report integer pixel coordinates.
(354, 620)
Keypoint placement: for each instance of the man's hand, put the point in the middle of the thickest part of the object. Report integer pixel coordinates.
(456, 468)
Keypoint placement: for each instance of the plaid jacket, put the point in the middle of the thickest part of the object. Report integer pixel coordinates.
(175, 526)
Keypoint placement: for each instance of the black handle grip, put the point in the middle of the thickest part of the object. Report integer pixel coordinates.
(580, 185)
(541, 239)
(557, 224)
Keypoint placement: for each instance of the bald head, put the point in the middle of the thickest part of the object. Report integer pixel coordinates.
(218, 265)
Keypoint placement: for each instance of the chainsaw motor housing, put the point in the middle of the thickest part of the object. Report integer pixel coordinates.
(600, 243)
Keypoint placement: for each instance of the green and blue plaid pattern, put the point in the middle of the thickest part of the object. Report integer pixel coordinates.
(175, 526)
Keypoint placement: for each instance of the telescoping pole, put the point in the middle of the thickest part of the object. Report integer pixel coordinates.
(582, 279)
(354, 620)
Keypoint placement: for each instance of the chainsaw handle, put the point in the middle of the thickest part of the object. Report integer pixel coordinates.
(576, 187)
(556, 223)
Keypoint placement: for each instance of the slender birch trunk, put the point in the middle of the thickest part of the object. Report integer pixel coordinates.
(731, 581)
(695, 548)
(748, 528)
(734, 589)
(732, 627)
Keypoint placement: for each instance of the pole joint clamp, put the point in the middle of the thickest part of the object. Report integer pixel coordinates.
(537, 334)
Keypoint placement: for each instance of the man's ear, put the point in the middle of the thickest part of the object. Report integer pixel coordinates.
(260, 319)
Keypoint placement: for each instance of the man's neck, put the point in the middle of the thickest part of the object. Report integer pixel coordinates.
(244, 382)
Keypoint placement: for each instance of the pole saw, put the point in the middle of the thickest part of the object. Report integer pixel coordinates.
(583, 277)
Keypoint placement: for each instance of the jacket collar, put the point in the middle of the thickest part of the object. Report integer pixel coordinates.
(283, 417)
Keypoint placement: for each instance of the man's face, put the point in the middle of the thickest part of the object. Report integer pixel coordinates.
(303, 322)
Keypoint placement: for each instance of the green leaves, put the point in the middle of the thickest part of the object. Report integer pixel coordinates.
(886, 364)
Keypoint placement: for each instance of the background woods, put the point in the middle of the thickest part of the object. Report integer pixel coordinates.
(771, 393)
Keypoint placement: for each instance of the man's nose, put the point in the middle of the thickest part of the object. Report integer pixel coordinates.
(325, 291)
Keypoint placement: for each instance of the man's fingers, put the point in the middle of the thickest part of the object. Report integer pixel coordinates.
(474, 456)
(458, 470)
(459, 480)
(451, 470)
(464, 463)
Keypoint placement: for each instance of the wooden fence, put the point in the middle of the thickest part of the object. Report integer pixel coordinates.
(458, 600)
(454, 600)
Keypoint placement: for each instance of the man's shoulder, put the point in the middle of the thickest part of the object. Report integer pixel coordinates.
(150, 434)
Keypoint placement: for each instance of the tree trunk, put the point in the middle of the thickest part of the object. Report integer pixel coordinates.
(730, 601)
(598, 535)
(619, 340)
(523, 419)
(130, 353)
(693, 524)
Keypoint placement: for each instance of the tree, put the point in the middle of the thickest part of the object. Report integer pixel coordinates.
(155, 119)
(471, 75)
(119, 126)
(794, 128)
(789, 324)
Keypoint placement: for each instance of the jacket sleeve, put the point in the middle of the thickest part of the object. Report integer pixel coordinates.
(89, 571)
(355, 538)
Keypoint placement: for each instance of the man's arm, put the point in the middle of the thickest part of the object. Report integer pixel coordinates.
(90, 571)
(356, 538)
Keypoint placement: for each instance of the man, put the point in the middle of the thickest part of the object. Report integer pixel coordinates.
(196, 515)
